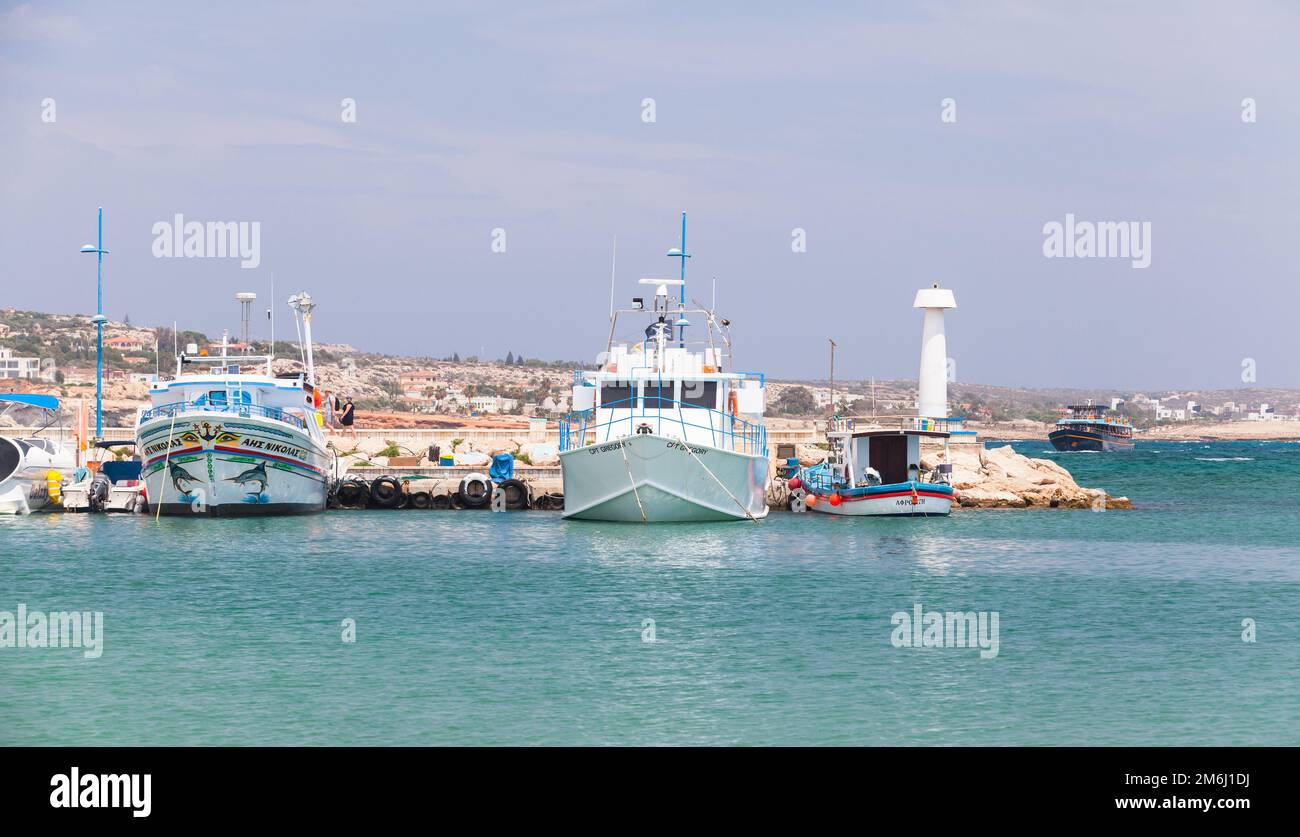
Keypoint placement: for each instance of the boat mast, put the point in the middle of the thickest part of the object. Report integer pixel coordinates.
(302, 305)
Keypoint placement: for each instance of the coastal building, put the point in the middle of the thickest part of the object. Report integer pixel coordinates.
(15, 367)
(418, 380)
(493, 404)
(129, 343)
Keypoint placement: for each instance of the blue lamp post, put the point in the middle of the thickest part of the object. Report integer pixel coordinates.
(99, 321)
(680, 253)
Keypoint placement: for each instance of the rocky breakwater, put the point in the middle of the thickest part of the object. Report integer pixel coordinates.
(989, 479)
(1001, 478)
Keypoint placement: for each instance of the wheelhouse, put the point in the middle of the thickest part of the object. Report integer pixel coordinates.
(222, 386)
(663, 384)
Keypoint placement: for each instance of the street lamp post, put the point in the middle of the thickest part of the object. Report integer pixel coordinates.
(100, 319)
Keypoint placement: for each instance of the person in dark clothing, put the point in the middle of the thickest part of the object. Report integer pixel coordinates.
(347, 418)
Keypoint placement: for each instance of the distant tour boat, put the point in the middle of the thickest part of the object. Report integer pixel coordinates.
(876, 471)
(226, 441)
(664, 431)
(1089, 428)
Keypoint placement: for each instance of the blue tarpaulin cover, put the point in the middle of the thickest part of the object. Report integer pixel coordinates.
(45, 402)
(503, 467)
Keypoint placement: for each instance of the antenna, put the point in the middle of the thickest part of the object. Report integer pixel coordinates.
(833, 345)
(270, 315)
(612, 264)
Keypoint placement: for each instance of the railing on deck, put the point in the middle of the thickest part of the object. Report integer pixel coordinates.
(730, 432)
(241, 410)
(921, 423)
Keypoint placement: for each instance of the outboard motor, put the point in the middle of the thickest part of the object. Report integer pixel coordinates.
(100, 485)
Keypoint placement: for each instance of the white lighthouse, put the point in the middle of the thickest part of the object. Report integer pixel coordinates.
(932, 383)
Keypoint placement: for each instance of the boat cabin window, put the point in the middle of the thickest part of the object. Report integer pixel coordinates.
(700, 394)
(658, 395)
(42, 444)
(616, 395)
(219, 398)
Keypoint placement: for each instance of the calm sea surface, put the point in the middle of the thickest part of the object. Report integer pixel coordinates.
(1116, 627)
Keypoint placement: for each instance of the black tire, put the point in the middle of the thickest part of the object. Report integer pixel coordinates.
(516, 492)
(475, 491)
(352, 493)
(549, 502)
(420, 500)
(440, 501)
(386, 493)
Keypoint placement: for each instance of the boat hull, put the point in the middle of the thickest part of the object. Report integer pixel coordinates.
(655, 476)
(229, 465)
(908, 499)
(1087, 440)
(24, 477)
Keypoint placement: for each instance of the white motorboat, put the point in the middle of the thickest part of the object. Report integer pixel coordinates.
(664, 430)
(33, 469)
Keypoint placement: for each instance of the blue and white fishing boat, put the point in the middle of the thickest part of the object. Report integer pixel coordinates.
(876, 471)
(33, 468)
(665, 430)
(227, 437)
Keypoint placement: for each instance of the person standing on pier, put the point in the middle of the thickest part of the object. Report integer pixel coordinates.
(347, 418)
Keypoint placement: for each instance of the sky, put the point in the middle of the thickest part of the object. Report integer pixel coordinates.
(837, 120)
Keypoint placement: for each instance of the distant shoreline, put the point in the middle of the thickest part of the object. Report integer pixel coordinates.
(1235, 431)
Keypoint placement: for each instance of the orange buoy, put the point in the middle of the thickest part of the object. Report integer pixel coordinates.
(810, 500)
(835, 499)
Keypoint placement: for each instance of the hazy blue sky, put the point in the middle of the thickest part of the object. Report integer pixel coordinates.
(474, 116)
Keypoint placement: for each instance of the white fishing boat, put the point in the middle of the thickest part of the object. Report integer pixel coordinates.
(33, 469)
(665, 430)
(228, 437)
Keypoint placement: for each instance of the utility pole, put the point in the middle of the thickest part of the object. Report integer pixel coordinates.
(833, 345)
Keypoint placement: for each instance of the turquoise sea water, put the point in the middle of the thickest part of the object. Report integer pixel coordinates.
(1116, 627)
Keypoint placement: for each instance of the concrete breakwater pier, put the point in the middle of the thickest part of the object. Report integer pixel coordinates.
(996, 477)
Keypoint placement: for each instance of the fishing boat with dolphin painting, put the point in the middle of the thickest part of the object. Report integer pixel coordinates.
(227, 437)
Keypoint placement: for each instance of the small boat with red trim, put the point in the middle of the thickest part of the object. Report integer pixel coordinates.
(877, 471)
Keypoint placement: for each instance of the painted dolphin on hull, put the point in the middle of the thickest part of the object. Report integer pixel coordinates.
(181, 478)
(255, 474)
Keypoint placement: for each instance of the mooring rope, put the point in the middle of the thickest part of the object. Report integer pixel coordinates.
(623, 449)
(739, 504)
(162, 483)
